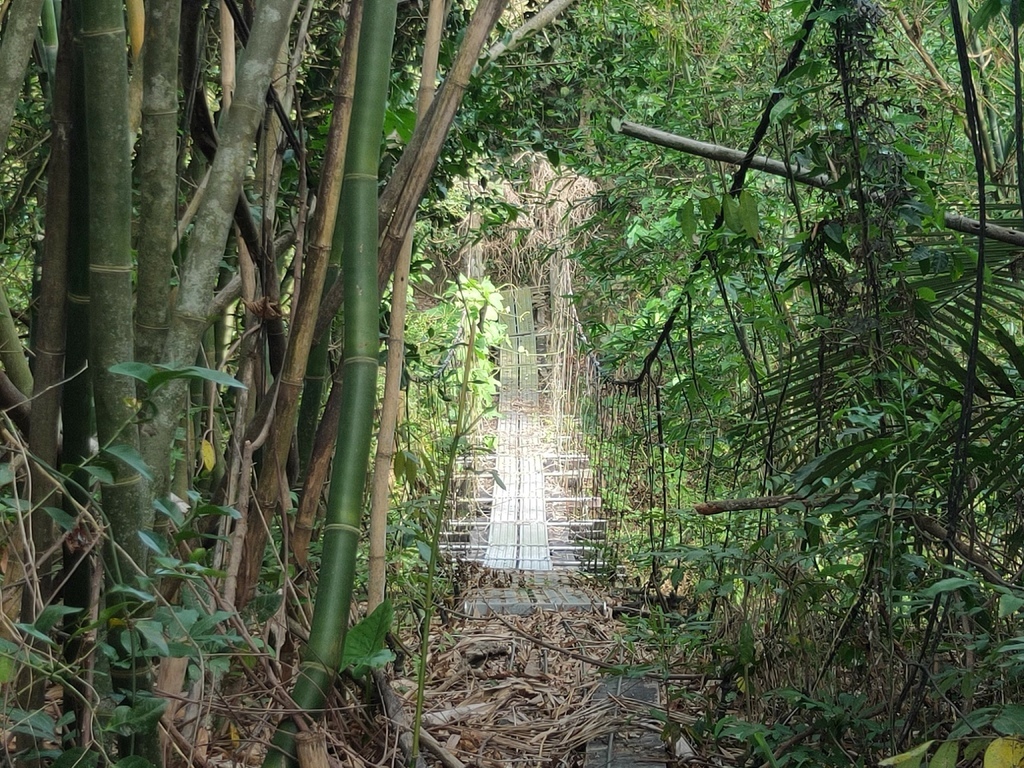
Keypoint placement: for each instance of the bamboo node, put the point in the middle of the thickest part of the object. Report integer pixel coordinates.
(341, 527)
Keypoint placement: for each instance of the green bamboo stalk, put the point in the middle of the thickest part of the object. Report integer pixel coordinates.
(321, 250)
(380, 490)
(76, 397)
(110, 258)
(157, 175)
(409, 180)
(157, 201)
(49, 322)
(15, 47)
(125, 500)
(48, 38)
(321, 656)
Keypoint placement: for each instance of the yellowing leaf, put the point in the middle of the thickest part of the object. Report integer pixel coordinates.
(909, 759)
(209, 457)
(1005, 753)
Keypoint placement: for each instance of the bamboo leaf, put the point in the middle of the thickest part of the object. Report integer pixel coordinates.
(947, 585)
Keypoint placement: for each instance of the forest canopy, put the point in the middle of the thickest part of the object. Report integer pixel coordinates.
(254, 263)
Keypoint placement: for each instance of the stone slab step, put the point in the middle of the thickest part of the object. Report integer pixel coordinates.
(531, 590)
(632, 746)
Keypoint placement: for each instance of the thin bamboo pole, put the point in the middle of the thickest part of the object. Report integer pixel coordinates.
(314, 271)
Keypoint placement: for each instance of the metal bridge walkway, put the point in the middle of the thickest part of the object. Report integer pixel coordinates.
(528, 506)
(518, 535)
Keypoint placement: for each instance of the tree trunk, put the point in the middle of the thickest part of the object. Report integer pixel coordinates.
(19, 34)
(199, 270)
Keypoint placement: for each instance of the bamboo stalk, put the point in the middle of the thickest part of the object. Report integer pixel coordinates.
(321, 656)
(408, 183)
(12, 354)
(380, 491)
(157, 200)
(125, 501)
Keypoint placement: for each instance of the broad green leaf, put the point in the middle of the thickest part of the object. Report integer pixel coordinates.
(364, 643)
(989, 10)
(746, 651)
(129, 456)
(748, 215)
(8, 671)
(731, 214)
(141, 716)
(154, 541)
(154, 634)
(1005, 753)
(946, 755)
(60, 517)
(782, 108)
(687, 218)
(100, 474)
(947, 585)
(133, 761)
(51, 614)
(1009, 604)
(76, 757)
(37, 724)
(1010, 721)
(909, 759)
(709, 208)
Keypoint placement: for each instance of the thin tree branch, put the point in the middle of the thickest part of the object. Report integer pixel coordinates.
(801, 174)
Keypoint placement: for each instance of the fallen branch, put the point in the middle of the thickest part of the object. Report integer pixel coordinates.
(757, 502)
(798, 173)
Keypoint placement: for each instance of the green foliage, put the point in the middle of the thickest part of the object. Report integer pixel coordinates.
(364, 643)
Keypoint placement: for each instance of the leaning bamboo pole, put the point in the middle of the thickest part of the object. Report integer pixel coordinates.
(380, 490)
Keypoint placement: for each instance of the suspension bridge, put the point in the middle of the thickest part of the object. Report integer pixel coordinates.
(530, 514)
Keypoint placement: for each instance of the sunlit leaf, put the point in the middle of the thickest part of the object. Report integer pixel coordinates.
(1005, 752)
(909, 759)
